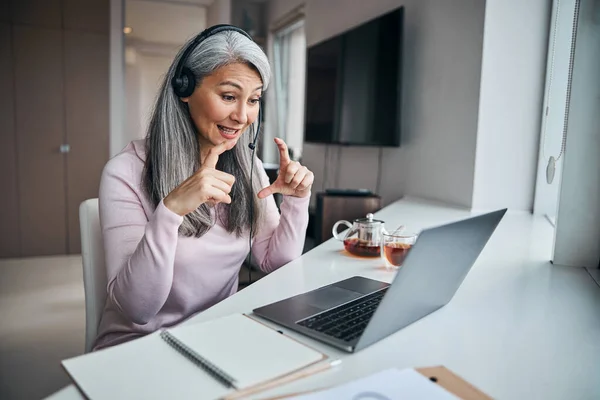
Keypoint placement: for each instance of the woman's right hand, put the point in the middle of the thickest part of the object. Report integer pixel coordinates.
(206, 185)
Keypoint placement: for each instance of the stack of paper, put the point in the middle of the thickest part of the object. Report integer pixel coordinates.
(390, 384)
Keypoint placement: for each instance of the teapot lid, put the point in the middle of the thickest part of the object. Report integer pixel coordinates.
(368, 220)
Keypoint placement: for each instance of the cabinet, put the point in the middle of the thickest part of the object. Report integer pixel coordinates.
(54, 112)
(9, 242)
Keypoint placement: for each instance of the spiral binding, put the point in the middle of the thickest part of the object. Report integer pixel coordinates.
(191, 355)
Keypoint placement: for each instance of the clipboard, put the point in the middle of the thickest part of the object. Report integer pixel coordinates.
(453, 383)
(438, 374)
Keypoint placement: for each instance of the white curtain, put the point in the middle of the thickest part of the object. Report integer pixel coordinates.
(289, 65)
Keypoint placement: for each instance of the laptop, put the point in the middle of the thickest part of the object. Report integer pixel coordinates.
(356, 312)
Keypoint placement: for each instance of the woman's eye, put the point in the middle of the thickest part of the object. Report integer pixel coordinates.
(227, 97)
(254, 101)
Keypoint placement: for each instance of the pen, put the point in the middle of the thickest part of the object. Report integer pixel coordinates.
(303, 373)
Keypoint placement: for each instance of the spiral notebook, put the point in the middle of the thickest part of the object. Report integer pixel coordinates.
(207, 360)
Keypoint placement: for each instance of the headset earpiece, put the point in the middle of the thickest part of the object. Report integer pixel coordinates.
(184, 83)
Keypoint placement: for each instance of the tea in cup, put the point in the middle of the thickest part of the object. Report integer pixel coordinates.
(395, 248)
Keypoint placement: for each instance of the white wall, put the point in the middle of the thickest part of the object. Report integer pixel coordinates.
(133, 82)
(219, 12)
(441, 76)
(117, 77)
(153, 70)
(144, 75)
(510, 109)
(164, 22)
(278, 8)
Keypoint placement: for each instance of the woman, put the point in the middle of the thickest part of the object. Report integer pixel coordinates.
(177, 209)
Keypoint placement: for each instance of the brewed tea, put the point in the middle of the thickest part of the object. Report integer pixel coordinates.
(361, 248)
(395, 253)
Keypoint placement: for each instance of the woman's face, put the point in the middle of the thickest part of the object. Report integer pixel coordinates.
(225, 104)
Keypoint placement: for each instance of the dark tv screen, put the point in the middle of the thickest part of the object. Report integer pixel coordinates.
(353, 85)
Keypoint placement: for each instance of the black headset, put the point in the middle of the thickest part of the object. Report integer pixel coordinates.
(184, 80)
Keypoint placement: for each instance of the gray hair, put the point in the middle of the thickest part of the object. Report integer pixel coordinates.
(173, 151)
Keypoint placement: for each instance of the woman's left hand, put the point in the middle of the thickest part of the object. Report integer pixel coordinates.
(293, 179)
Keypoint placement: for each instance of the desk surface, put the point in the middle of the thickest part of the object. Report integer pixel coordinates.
(518, 327)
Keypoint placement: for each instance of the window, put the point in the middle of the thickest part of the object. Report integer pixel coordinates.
(289, 65)
(556, 101)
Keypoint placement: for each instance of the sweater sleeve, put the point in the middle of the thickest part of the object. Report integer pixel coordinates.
(280, 238)
(139, 248)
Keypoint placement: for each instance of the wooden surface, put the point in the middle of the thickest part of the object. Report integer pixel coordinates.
(453, 383)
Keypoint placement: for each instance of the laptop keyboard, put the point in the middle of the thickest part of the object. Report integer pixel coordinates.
(348, 321)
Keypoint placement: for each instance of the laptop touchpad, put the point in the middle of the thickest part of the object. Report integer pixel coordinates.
(330, 297)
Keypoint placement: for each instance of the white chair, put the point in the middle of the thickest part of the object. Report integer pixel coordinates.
(94, 268)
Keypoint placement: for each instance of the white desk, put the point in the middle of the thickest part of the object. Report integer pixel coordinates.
(518, 328)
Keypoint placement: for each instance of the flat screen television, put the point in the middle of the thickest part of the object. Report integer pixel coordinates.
(353, 85)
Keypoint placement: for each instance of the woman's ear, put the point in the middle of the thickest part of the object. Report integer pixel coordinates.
(185, 99)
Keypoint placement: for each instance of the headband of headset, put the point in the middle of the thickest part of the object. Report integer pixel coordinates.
(184, 81)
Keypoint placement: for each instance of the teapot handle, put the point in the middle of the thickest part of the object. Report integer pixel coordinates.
(335, 226)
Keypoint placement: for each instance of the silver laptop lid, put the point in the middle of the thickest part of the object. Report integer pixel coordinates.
(431, 274)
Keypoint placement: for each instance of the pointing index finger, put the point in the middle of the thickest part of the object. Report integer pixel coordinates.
(284, 155)
(213, 154)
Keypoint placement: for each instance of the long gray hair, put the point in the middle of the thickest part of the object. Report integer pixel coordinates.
(173, 151)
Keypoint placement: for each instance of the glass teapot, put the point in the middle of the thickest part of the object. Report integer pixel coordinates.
(364, 236)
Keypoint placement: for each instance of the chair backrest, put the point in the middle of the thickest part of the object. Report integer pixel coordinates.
(94, 268)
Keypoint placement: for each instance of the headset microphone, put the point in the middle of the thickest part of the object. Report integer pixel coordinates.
(253, 144)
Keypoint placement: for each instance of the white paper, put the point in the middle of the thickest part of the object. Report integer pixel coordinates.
(390, 384)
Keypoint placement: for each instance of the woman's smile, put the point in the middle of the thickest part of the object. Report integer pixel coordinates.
(228, 133)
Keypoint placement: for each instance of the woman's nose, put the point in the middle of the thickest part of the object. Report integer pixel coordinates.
(240, 114)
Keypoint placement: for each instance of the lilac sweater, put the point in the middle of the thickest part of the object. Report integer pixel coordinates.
(157, 278)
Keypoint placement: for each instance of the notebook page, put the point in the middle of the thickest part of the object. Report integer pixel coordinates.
(246, 349)
(390, 384)
(145, 368)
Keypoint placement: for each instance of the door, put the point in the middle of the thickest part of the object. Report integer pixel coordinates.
(40, 127)
(54, 60)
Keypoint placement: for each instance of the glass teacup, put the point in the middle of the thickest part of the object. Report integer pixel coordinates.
(395, 248)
